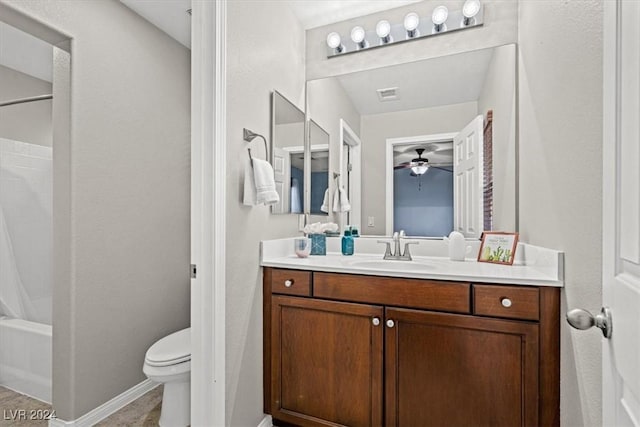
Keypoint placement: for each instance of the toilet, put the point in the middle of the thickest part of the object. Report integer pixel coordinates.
(168, 361)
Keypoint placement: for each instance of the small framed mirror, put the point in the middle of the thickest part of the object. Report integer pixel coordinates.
(287, 154)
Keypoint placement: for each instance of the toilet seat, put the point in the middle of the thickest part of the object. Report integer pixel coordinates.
(170, 350)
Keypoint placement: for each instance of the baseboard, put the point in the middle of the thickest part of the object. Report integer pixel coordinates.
(266, 421)
(103, 411)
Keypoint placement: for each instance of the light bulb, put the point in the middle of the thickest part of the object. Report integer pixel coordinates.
(411, 21)
(471, 8)
(420, 169)
(383, 29)
(334, 41)
(357, 35)
(440, 15)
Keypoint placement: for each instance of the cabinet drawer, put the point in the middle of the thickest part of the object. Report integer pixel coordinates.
(291, 282)
(415, 293)
(514, 302)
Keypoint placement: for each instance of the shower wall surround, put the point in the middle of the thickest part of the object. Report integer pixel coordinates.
(25, 231)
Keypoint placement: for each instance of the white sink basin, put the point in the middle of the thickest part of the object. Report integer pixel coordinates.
(393, 265)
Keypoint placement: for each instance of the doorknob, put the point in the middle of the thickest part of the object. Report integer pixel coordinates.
(582, 319)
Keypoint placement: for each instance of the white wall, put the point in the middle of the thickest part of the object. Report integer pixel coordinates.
(265, 51)
(499, 95)
(327, 104)
(28, 122)
(376, 128)
(121, 207)
(560, 86)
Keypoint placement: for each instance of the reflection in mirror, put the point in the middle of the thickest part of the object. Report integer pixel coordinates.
(287, 146)
(460, 111)
(319, 143)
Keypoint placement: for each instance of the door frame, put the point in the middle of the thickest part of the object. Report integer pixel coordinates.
(208, 210)
(390, 145)
(350, 138)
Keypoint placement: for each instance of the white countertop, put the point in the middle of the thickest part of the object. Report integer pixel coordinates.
(534, 265)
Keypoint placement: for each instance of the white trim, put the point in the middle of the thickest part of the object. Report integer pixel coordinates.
(266, 421)
(208, 181)
(391, 143)
(297, 149)
(350, 138)
(112, 406)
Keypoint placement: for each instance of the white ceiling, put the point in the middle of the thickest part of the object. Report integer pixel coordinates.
(447, 80)
(169, 15)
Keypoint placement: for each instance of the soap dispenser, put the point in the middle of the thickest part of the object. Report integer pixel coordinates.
(347, 243)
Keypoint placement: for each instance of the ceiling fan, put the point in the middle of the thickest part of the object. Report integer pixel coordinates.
(420, 165)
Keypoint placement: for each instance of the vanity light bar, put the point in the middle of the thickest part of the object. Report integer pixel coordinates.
(413, 28)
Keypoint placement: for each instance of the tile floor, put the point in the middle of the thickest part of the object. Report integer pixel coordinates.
(17, 410)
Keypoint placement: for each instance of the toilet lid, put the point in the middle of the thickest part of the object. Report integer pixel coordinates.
(170, 350)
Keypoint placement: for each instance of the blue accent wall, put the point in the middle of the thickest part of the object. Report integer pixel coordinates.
(424, 212)
(319, 184)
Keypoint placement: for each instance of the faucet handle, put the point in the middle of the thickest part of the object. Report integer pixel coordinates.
(406, 253)
(387, 251)
(395, 236)
(402, 234)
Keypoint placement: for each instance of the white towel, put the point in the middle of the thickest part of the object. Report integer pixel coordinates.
(249, 197)
(296, 202)
(325, 202)
(265, 183)
(341, 201)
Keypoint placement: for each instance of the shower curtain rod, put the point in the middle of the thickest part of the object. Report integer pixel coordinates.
(23, 100)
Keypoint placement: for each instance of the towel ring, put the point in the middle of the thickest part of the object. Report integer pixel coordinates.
(250, 136)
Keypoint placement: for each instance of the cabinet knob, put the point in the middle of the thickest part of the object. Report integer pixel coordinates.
(390, 323)
(288, 283)
(506, 302)
(375, 321)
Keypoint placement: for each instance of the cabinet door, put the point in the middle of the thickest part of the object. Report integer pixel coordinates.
(326, 362)
(456, 370)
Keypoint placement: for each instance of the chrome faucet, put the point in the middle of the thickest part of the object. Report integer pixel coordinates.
(397, 254)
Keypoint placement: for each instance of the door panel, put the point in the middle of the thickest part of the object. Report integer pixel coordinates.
(435, 375)
(621, 213)
(467, 183)
(326, 362)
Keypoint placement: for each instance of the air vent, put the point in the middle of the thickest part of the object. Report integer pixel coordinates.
(388, 94)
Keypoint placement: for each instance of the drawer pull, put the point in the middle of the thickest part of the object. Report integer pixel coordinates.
(288, 283)
(375, 321)
(506, 302)
(390, 323)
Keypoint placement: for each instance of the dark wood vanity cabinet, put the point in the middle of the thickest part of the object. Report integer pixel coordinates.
(352, 350)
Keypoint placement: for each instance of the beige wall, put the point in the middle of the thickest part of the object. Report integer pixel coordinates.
(560, 87)
(376, 128)
(499, 95)
(127, 197)
(29, 122)
(265, 51)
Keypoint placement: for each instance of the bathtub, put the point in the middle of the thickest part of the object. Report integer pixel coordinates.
(25, 357)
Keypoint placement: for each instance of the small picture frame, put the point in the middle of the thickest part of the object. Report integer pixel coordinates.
(498, 247)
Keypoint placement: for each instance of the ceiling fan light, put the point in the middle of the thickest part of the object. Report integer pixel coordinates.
(419, 169)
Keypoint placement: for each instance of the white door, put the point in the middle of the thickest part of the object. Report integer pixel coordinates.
(621, 213)
(282, 177)
(467, 179)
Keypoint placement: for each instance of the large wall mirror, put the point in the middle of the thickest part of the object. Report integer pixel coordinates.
(287, 154)
(438, 142)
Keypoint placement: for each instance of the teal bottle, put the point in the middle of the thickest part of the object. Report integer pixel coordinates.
(347, 243)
